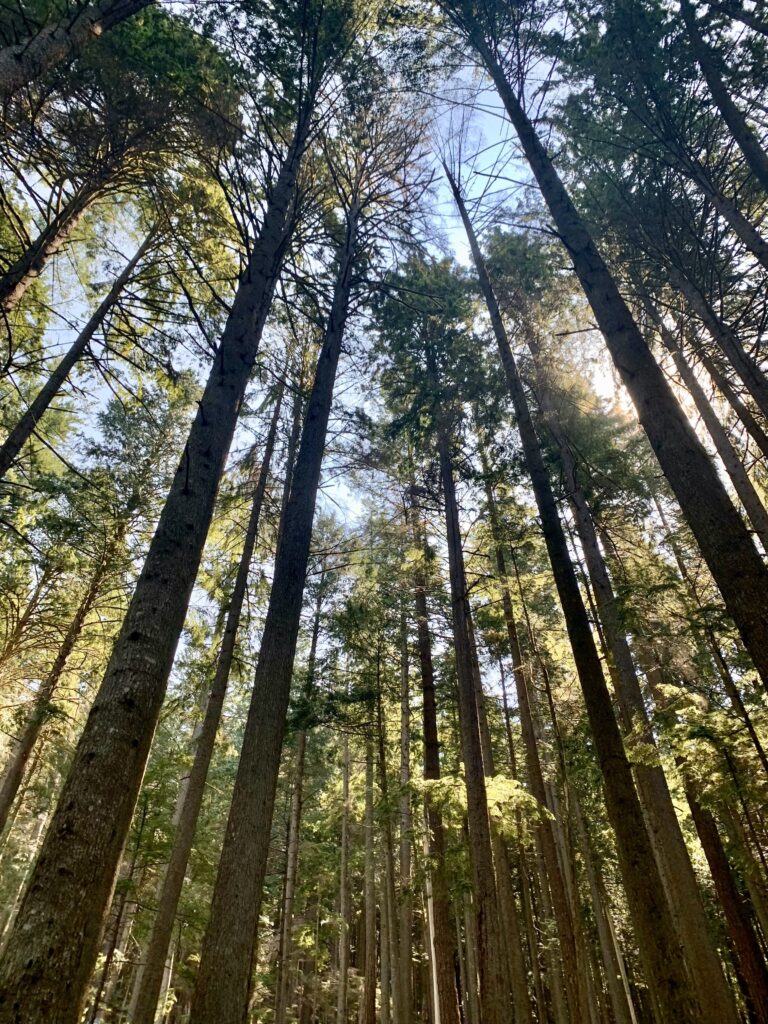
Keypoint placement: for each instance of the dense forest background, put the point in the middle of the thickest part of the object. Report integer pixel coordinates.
(383, 512)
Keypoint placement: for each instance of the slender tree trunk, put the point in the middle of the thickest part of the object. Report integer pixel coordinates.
(341, 1002)
(52, 949)
(753, 974)
(405, 919)
(388, 894)
(672, 854)
(745, 138)
(15, 281)
(657, 940)
(149, 977)
(728, 549)
(563, 918)
(23, 430)
(224, 977)
(14, 772)
(23, 62)
(733, 465)
(297, 802)
(368, 998)
(726, 389)
(493, 985)
(725, 338)
(443, 962)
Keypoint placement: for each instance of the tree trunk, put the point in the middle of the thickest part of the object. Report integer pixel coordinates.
(405, 918)
(52, 949)
(745, 138)
(728, 549)
(26, 425)
(490, 963)
(657, 941)
(149, 976)
(367, 1013)
(733, 465)
(297, 802)
(388, 894)
(443, 962)
(672, 855)
(56, 44)
(13, 776)
(341, 1002)
(224, 977)
(15, 281)
(725, 338)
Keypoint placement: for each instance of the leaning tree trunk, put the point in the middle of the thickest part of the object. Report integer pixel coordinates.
(21, 274)
(494, 996)
(441, 917)
(657, 941)
(673, 858)
(745, 138)
(724, 540)
(224, 977)
(149, 977)
(15, 770)
(56, 44)
(26, 425)
(52, 949)
(734, 467)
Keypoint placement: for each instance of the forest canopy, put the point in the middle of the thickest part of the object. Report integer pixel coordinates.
(383, 512)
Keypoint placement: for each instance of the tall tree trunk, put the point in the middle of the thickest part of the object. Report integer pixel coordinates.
(673, 995)
(745, 138)
(733, 465)
(727, 390)
(490, 963)
(563, 918)
(149, 976)
(405, 917)
(52, 949)
(367, 1013)
(224, 977)
(747, 370)
(294, 825)
(672, 854)
(25, 61)
(443, 962)
(728, 549)
(14, 772)
(26, 425)
(18, 277)
(341, 1001)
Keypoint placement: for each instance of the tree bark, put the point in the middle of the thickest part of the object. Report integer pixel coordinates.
(728, 549)
(405, 917)
(341, 1001)
(224, 977)
(746, 140)
(51, 951)
(56, 44)
(149, 976)
(367, 1013)
(657, 941)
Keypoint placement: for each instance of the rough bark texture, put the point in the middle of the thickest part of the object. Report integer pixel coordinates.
(149, 976)
(55, 44)
(51, 951)
(721, 534)
(657, 942)
(224, 978)
(24, 429)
